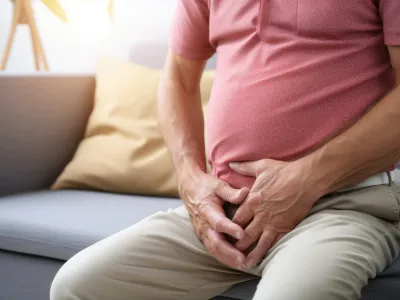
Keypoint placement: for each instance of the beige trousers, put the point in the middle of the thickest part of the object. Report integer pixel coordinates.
(345, 240)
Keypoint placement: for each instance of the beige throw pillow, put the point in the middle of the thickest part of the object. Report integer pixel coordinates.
(123, 149)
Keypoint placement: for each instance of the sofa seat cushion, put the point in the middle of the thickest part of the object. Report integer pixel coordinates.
(58, 224)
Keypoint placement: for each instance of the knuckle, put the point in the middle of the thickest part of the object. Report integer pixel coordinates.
(239, 195)
(255, 200)
(211, 218)
(239, 219)
(217, 224)
(217, 185)
(200, 230)
(214, 246)
(220, 186)
(201, 235)
(235, 195)
(265, 163)
(263, 208)
(199, 206)
(256, 196)
(252, 234)
(203, 208)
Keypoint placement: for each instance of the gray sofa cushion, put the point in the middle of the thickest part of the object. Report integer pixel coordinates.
(42, 120)
(58, 224)
(26, 277)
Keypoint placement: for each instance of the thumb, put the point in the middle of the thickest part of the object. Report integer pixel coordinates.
(231, 195)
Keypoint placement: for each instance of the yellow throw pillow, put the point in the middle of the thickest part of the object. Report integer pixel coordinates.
(123, 150)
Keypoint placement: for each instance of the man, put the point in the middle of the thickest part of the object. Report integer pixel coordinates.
(303, 131)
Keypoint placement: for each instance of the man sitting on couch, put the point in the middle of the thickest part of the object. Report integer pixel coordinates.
(303, 132)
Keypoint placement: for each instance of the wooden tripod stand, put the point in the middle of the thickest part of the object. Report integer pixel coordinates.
(23, 15)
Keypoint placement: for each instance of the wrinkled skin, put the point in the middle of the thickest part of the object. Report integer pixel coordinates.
(204, 197)
(281, 197)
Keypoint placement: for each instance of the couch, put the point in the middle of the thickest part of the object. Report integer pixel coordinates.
(42, 120)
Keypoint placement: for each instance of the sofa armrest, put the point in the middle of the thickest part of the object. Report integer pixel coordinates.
(42, 120)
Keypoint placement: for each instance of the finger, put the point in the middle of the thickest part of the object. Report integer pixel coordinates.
(278, 238)
(223, 251)
(220, 223)
(244, 244)
(253, 233)
(263, 245)
(229, 194)
(243, 215)
(248, 168)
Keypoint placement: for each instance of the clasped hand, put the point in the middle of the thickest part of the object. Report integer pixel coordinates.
(281, 197)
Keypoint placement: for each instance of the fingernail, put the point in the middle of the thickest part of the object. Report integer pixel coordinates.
(233, 164)
(240, 264)
(239, 235)
(240, 267)
(251, 263)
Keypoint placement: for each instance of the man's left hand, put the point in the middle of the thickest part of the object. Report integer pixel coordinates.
(281, 197)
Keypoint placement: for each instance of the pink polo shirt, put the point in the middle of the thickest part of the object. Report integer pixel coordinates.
(291, 74)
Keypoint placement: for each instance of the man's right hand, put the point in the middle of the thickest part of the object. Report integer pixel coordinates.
(204, 196)
(182, 123)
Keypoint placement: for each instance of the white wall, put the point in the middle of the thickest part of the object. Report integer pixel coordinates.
(75, 47)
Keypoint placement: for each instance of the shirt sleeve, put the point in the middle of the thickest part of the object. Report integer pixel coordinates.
(390, 15)
(190, 30)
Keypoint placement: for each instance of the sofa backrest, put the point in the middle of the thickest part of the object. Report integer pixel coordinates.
(43, 118)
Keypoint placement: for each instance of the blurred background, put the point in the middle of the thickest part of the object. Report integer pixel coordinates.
(75, 46)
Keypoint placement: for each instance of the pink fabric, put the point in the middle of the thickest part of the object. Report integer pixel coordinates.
(290, 74)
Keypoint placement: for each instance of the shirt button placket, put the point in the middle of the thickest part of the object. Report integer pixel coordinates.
(263, 16)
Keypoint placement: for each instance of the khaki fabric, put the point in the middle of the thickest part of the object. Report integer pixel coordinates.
(123, 149)
(329, 255)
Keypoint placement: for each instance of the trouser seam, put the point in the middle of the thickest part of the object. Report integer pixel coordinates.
(395, 201)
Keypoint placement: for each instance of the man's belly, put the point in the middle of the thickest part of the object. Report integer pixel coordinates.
(253, 122)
